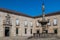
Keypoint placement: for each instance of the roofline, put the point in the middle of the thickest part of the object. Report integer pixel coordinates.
(49, 14)
(14, 12)
(25, 15)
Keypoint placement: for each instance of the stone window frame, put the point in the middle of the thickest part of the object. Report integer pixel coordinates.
(25, 30)
(37, 24)
(49, 23)
(30, 31)
(55, 20)
(31, 24)
(17, 20)
(26, 23)
(17, 31)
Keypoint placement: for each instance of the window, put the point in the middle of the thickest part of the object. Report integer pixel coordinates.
(0, 18)
(31, 24)
(26, 23)
(37, 24)
(7, 19)
(55, 31)
(55, 22)
(49, 22)
(17, 22)
(25, 30)
(16, 30)
(31, 31)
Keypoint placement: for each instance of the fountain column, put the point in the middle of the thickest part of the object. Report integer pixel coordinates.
(43, 22)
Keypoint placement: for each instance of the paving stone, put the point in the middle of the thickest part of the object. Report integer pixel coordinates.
(25, 38)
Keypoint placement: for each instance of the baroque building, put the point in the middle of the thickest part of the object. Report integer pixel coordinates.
(18, 24)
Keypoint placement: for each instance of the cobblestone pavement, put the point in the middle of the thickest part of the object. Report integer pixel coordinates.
(25, 38)
(45, 39)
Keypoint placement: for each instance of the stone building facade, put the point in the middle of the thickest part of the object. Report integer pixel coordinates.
(17, 24)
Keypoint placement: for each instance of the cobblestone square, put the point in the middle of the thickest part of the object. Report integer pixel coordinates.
(25, 38)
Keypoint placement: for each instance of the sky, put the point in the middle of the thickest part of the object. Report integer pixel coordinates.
(31, 7)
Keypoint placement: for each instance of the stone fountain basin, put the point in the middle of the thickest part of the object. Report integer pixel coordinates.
(43, 22)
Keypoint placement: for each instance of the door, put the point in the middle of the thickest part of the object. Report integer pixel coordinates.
(55, 31)
(38, 32)
(46, 31)
(6, 31)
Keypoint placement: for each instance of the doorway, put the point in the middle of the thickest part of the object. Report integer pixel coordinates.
(55, 31)
(46, 31)
(7, 31)
(38, 32)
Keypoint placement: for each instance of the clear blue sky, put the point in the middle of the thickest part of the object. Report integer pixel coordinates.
(31, 7)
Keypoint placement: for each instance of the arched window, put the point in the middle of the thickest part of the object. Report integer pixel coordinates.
(26, 23)
(55, 22)
(49, 22)
(17, 22)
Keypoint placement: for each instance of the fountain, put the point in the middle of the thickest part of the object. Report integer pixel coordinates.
(43, 22)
